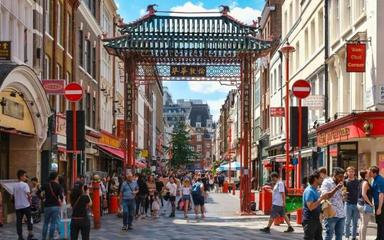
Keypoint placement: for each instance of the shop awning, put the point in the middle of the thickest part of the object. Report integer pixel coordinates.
(115, 152)
(118, 153)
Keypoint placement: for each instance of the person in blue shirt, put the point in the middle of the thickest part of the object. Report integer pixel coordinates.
(311, 207)
(378, 198)
(128, 191)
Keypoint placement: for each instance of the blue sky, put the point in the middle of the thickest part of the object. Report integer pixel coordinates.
(211, 92)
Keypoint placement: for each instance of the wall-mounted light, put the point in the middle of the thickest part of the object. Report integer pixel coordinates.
(3, 102)
(367, 126)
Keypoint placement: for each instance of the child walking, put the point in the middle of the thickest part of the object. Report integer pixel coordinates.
(155, 205)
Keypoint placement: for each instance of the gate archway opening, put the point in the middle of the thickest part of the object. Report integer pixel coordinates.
(190, 48)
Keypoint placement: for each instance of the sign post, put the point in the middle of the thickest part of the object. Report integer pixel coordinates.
(301, 89)
(73, 92)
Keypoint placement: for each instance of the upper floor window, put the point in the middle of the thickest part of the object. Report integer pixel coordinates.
(59, 32)
(81, 48)
(87, 55)
(48, 25)
(91, 4)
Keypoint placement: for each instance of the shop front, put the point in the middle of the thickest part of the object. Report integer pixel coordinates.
(24, 112)
(110, 155)
(355, 140)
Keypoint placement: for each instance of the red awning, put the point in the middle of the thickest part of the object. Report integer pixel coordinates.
(116, 152)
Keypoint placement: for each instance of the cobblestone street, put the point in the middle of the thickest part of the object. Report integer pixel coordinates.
(222, 222)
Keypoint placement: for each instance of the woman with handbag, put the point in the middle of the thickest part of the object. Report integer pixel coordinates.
(80, 221)
(365, 204)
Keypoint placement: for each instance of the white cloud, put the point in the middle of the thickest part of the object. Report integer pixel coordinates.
(215, 106)
(208, 87)
(143, 11)
(245, 15)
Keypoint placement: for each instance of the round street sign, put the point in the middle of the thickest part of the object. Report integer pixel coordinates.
(73, 92)
(301, 89)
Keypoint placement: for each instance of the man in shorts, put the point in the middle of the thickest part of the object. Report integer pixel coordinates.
(278, 203)
(198, 197)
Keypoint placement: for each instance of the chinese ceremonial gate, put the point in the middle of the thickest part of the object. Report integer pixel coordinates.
(190, 48)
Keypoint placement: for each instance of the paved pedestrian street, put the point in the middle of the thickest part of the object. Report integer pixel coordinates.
(222, 222)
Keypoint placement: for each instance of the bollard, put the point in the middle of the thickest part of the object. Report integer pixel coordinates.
(299, 217)
(96, 202)
(233, 189)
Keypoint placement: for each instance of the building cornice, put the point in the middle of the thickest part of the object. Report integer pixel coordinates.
(90, 19)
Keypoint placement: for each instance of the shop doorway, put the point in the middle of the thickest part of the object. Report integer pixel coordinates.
(4, 155)
(347, 155)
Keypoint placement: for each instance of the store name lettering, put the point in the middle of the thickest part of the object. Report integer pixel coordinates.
(333, 136)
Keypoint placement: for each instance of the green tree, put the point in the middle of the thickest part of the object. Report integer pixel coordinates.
(179, 148)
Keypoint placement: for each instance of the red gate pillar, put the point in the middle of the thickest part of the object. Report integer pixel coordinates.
(129, 99)
(246, 109)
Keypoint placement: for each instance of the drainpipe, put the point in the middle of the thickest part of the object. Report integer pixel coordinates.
(281, 83)
(326, 55)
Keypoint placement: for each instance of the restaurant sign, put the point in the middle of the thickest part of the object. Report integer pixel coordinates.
(356, 57)
(356, 129)
(109, 140)
(55, 87)
(5, 50)
(277, 111)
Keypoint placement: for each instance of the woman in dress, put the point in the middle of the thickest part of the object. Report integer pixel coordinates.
(186, 191)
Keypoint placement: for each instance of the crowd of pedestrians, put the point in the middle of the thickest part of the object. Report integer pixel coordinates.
(342, 204)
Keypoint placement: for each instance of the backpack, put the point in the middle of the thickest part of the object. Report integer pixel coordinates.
(196, 189)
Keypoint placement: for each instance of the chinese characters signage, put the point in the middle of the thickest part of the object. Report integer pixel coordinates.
(5, 50)
(129, 110)
(61, 125)
(277, 112)
(356, 56)
(13, 109)
(120, 128)
(109, 140)
(188, 71)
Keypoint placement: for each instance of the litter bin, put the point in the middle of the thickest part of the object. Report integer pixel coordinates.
(114, 204)
(266, 199)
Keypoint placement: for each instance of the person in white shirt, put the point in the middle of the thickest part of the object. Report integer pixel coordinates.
(278, 203)
(22, 196)
(172, 189)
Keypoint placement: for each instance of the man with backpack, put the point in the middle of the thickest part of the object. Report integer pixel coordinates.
(278, 203)
(54, 195)
(198, 197)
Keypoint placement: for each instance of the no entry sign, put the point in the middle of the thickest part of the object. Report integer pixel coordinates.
(73, 92)
(301, 89)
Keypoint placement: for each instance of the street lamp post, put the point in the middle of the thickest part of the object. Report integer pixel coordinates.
(287, 50)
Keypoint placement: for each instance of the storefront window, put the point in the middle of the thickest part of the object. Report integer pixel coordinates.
(348, 155)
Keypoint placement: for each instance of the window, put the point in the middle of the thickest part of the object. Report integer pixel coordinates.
(359, 8)
(87, 55)
(91, 4)
(69, 33)
(256, 129)
(48, 26)
(25, 45)
(306, 46)
(313, 41)
(297, 56)
(46, 72)
(336, 19)
(198, 148)
(285, 23)
(94, 112)
(94, 62)
(81, 48)
(275, 80)
(59, 32)
(88, 109)
(320, 22)
(290, 15)
(347, 14)
(257, 92)
(198, 138)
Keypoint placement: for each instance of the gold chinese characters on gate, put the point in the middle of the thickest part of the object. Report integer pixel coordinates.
(188, 71)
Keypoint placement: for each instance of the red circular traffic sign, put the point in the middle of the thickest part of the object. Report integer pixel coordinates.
(301, 89)
(73, 92)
